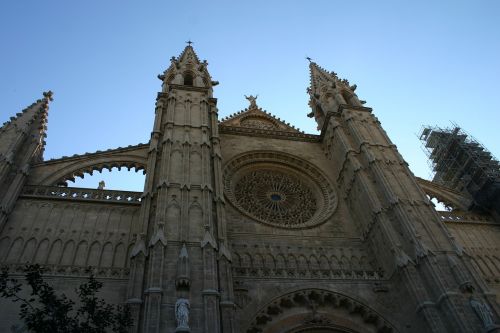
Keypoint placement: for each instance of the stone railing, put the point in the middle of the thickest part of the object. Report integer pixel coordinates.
(77, 271)
(464, 217)
(82, 194)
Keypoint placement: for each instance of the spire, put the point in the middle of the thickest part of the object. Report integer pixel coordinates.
(187, 70)
(31, 123)
(328, 92)
(320, 78)
(323, 81)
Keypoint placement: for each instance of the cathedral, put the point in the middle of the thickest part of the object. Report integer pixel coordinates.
(248, 225)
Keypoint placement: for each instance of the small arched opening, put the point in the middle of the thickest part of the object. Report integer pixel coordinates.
(188, 79)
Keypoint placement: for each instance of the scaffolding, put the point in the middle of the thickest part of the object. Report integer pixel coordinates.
(461, 163)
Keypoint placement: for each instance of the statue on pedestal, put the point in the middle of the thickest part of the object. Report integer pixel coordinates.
(182, 315)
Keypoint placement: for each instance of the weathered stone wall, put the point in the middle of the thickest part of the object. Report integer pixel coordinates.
(67, 236)
(480, 242)
(270, 261)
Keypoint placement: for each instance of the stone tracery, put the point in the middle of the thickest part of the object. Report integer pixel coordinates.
(275, 196)
(279, 189)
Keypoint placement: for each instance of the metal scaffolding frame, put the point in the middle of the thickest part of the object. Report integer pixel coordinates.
(459, 161)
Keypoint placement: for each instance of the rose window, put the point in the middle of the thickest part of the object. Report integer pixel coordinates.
(275, 196)
(278, 190)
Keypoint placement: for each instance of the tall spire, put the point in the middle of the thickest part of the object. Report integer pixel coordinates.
(22, 142)
(30, 123)
(327, 92)
(187, 70)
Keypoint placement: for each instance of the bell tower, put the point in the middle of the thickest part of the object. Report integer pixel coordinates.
(395, 218)
(180, 277)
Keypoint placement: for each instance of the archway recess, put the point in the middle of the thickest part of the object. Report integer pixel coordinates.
(319, 311)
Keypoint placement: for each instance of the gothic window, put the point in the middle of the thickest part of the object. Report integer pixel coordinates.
(188, 79)
(278, 194)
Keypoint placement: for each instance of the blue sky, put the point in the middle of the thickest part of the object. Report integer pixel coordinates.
(415, 63)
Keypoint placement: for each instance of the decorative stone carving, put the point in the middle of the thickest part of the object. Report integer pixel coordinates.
(183, 280)
(257, 122)
(182, 315)
(483, 311)
(276, 197)
(253, 101)
(279, 190)
(317, 301)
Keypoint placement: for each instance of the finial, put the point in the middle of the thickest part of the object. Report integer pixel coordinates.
(189, 42)
(309, 59)
(48, 95)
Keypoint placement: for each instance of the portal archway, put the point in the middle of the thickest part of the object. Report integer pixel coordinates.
(318, 311)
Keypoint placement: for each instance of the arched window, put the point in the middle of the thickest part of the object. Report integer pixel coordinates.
(188, 79)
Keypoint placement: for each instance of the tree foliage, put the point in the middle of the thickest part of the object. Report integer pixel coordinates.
(44, 311)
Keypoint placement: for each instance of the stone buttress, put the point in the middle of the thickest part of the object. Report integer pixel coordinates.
(396, 219)
(181, 249)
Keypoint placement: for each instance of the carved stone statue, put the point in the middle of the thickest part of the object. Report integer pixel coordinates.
(252, 99)
(101, 185)
(483, 311)
(182, 315)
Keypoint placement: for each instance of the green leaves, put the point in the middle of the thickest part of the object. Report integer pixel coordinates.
(47, 312)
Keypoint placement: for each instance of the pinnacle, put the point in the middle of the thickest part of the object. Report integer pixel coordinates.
(187, 52)
(32, 120)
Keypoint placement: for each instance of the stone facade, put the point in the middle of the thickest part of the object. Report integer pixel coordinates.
(248, 225)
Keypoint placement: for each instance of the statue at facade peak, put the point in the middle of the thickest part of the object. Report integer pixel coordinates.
(252, 99)
(182, 315)
(101, 185)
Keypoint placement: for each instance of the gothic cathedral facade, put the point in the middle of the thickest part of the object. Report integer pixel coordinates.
(248, 225)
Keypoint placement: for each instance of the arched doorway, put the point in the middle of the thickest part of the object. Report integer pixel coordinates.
(317, 311)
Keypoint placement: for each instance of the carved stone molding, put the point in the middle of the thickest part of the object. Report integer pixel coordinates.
(318, 303)
(81, 194)
(75, 271)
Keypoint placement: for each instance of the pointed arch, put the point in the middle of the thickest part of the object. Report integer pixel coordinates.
(324, 263)
(81, 254)
(119, 256)
(280, 261)
(313, 262)
(29, 251)
(302, 263)
(258, 261)
(269, 261)
(42, 252)
(246, 260)
(129, 251)
(195, 168)
(107, 255)
(4, 247)
(290, 312)
(55, 253)
(15, 250)
(195, 115)
(188, 78)
(195, 219)
(67, 254)
(94, 254)
(173, 216)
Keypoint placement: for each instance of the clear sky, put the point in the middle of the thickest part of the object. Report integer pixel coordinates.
(414, 62)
